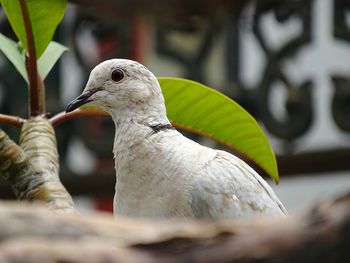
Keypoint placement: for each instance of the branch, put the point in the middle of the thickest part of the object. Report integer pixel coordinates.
(321, 235)
(36, 86)
(62, 116)
(12, 120)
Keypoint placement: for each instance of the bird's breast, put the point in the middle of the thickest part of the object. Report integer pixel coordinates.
(151, 181)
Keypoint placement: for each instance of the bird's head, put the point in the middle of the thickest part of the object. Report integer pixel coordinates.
(121, 85)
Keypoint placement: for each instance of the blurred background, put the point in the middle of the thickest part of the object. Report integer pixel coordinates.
(286, 62)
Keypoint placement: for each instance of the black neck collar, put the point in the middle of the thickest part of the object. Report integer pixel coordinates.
(160, 127)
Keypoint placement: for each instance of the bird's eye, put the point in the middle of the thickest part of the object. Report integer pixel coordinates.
(117, 75)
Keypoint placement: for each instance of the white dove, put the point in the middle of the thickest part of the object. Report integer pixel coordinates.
(159, 172)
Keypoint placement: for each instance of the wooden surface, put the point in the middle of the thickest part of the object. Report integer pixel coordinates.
(32, 234)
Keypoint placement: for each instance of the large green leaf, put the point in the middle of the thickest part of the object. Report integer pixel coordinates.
(51, 54)
(45, 15)
(197, 108)
(12, 51)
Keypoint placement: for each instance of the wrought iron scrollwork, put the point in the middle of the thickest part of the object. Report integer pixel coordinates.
(340, 27)
(299, 101)
(341, 84)
(298, 104)
(193, 62)
(341, 102)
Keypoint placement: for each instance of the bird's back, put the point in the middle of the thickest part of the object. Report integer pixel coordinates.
(169, 175)
(226, 187)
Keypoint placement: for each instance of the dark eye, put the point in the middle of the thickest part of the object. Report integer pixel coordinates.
(117, 75)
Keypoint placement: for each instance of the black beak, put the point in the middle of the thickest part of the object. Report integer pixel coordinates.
(81, 100)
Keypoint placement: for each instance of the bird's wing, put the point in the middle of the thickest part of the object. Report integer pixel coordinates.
(226, 187)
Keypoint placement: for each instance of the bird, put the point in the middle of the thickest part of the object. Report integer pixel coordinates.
(160, 173)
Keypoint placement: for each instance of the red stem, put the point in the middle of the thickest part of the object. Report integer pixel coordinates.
(36, 87)
(62, 116)
(11, 120)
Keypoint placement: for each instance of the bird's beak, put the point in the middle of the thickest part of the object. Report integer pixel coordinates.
(79, 101)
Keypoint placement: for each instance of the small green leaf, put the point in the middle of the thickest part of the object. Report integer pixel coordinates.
(197, 108)
(12, 51)
(51, 54)
(44, 16)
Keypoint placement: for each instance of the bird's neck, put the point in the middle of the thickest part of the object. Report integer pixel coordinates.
(136, 124)
(134, 127)
(136, 114)
(134, 153)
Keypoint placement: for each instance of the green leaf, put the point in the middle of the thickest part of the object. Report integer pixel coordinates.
(45, 15)
(12, 51)
(51, 54)
(200, 109)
